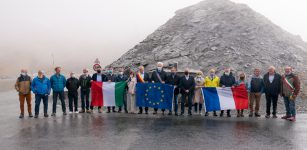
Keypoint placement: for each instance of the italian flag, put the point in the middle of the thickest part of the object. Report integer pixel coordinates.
(108, 93)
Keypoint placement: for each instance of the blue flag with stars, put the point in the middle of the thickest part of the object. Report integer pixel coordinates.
(154, 95)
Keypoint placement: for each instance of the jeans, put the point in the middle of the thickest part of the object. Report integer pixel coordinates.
(73, 100)
(269, 100)
(175, 104)
(85, 100)
(183, 97)
(38, 98)
(55, 100)
(290, 107)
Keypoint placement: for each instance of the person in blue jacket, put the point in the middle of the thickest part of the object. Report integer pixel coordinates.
(41, 88)
(58, 83)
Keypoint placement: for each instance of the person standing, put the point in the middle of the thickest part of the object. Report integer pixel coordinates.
(227, 80)
(290, 89)
(58, 83)
(187, 86)
(41, 87)
(111, 77)
(98, 77)
(23, 87)
(255, 87)
(131, 92)
(121, 77)
(85, 87)
(72, 86)
(272, 86)
(212, 81)
(158, 76)
(238, 83)
(174, 79)
(198, 96)
(142, 77)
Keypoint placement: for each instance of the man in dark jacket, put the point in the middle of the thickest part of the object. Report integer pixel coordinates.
(272, 86)
(120, 78)
(142, 77)
(98, 77)
(72, 85)
(111, 77)
(227, 80)
(85, 87)
(187, 85)
(255, 88)
(158, 76)
(174, 79)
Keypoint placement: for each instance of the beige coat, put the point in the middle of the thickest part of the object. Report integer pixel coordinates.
(198, 96)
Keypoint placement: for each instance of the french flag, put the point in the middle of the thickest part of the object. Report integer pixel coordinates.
(225, 98)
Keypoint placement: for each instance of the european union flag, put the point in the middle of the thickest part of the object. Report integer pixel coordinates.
(154, 95)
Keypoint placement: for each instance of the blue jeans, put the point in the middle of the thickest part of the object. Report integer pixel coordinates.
(55, 100)
(38, 98)
(175, 103)
(290, 107)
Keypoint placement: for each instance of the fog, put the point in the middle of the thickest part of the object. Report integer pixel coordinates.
(74, 32)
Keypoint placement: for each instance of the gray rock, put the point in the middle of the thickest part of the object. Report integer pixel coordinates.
(214, 33)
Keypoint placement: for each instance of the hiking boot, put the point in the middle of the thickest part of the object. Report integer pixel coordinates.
(291, 119)
(228, 115)
(257, 115)
(285, 117)
(214, 114)
(21, 116)
(30, 115)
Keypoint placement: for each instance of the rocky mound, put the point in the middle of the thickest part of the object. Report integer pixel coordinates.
(215, 33)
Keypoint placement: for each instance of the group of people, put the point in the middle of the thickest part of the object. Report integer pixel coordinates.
(271, 84)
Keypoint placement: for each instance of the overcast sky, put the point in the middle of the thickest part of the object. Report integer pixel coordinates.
(81, 30)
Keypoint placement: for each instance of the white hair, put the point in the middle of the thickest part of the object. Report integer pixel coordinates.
(160, 63)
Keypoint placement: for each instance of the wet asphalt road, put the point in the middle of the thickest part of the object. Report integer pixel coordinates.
(144, 132)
